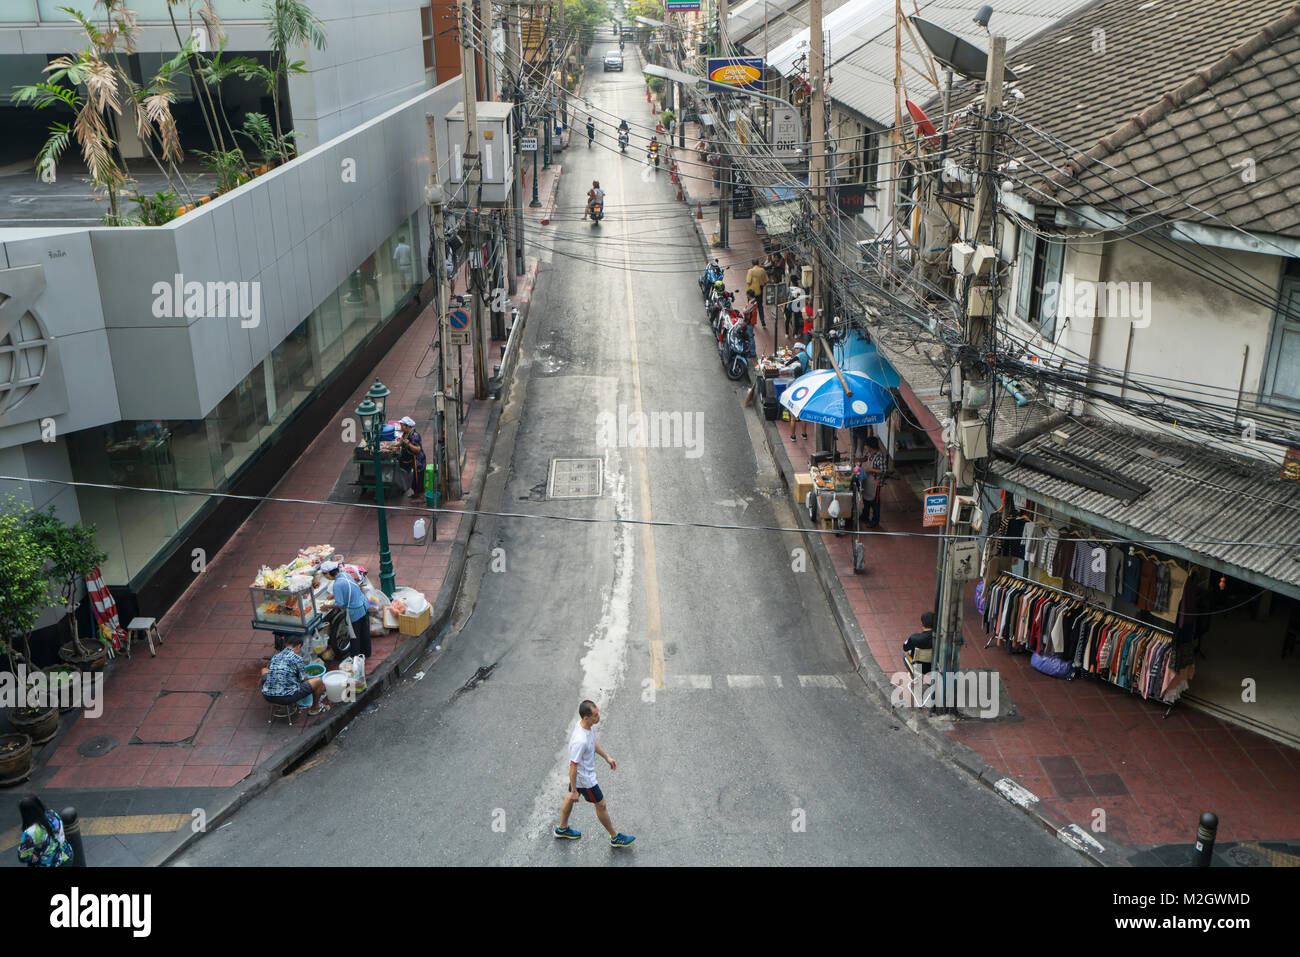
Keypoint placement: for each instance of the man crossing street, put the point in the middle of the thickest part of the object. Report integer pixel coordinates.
(582, 777)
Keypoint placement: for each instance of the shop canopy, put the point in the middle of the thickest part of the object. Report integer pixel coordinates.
(819, 397)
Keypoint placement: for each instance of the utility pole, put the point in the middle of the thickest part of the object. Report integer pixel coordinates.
(473, 192)
(449, 428)
(817, 178)
(515, 76)
(496, 317)
(948, 634)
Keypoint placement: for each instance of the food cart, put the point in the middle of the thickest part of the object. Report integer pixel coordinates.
(296, 599)
(397, 477)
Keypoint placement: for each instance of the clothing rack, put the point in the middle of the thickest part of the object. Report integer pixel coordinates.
(1101, 608)
(1067, 594)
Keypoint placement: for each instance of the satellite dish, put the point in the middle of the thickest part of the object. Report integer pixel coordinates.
(960, 56)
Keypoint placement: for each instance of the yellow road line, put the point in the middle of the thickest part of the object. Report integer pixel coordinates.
(119, 824)
(653, 625)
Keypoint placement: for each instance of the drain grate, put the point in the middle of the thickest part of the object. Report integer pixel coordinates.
(97, 747)
(575, 478)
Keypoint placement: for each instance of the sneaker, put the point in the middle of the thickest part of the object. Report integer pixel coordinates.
(621, 840)
(569, 833)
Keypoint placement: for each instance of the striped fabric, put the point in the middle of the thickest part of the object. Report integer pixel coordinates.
(105, 611)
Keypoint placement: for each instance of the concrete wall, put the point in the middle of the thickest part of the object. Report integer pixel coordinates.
(298, 232)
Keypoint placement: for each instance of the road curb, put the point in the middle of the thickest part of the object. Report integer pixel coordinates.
(875, 678)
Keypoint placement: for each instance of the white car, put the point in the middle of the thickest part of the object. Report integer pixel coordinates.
(613, 61)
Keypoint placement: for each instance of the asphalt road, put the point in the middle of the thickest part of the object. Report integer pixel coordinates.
(742, 737)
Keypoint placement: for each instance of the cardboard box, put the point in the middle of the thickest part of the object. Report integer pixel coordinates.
(803, 484)
(413, 625)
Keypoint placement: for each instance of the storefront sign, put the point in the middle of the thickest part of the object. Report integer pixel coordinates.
(742, 198)
(682, 4)
(787, 134)
(743, 72)
(851, 199)
(1291, 465)
(936, 507)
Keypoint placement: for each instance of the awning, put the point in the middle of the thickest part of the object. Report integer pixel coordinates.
(856, 354)
(779, 219)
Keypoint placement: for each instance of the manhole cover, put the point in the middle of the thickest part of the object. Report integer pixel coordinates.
(575, 478)
(97, 747)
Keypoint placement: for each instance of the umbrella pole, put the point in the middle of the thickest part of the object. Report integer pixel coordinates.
(838, 374)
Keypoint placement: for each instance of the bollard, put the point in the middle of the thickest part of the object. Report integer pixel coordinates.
(679, 192)
(1205, 840)
(699, 210)
(72, 831)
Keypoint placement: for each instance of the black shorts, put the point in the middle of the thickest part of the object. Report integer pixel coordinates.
(304, 691)
(592, 794)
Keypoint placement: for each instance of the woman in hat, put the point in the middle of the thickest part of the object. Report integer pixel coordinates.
(412, 454)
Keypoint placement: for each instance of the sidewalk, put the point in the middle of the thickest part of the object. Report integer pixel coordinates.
(188, 728)
(1079, 747)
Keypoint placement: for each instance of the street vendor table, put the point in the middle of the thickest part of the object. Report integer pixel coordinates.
(396, 476)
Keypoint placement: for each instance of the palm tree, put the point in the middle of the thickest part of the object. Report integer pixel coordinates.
(290, 23)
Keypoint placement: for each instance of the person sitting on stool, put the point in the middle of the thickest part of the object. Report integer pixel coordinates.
(348, 596)
(920, 646)
(285, 680)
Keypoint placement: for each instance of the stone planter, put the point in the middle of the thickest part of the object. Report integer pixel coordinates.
(57, 674)
(94, 661)
(39, 724)
(15, 758)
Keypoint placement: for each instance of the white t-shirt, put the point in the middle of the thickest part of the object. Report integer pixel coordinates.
(582, 752)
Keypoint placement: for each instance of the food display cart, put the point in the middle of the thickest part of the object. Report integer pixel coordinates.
(396, 476)
(296, 599)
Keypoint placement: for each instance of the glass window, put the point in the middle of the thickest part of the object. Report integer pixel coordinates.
(327, 320)
(238, 420)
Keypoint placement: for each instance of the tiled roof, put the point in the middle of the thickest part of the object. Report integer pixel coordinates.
(1172, 91)
(1218, 505)
(1228, 142)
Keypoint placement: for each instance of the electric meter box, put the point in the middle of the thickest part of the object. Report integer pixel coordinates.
(495, 142)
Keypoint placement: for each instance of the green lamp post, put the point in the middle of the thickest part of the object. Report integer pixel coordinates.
(371, 414)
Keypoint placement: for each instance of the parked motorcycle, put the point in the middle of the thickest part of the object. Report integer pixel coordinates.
(734, 349)
(622, 142)
(597, 213)
(720, 304)
(712, 274)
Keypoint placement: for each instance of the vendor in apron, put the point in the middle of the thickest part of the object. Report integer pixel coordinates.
(412, 454)
(348, 596)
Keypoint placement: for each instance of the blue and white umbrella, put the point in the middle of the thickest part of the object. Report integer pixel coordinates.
(819, 397)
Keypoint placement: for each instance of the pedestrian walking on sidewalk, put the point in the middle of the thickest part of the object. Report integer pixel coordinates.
(582, 777)
(348, 596)
(756, 281)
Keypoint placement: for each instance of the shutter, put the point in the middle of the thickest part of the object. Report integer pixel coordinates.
(1025, 272)
(1284, 364)
(1050, 301)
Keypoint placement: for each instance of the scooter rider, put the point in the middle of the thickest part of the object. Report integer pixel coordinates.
(623, 134)
(654, 149)
(594, 195)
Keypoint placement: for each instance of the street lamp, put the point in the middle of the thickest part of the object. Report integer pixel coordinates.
(371, 414)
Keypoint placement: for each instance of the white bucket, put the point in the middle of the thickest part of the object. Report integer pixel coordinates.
(335, 682)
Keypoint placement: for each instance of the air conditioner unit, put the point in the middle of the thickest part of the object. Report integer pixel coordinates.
(962, 254)
(982, 260)
(980, 302)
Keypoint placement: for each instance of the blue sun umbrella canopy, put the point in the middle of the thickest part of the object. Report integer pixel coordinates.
(819, 397)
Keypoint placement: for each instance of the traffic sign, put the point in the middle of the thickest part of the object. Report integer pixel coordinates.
(528, 144)
(458, 320)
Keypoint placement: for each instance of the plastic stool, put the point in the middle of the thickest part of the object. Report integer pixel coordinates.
(282, 711)
(143, 629)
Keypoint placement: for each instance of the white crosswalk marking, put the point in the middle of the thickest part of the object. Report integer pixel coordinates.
(694, 682)
(820, 681)
(745, 681)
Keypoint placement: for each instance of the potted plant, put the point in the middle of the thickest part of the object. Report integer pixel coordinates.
(72, 554)
(25, 593)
